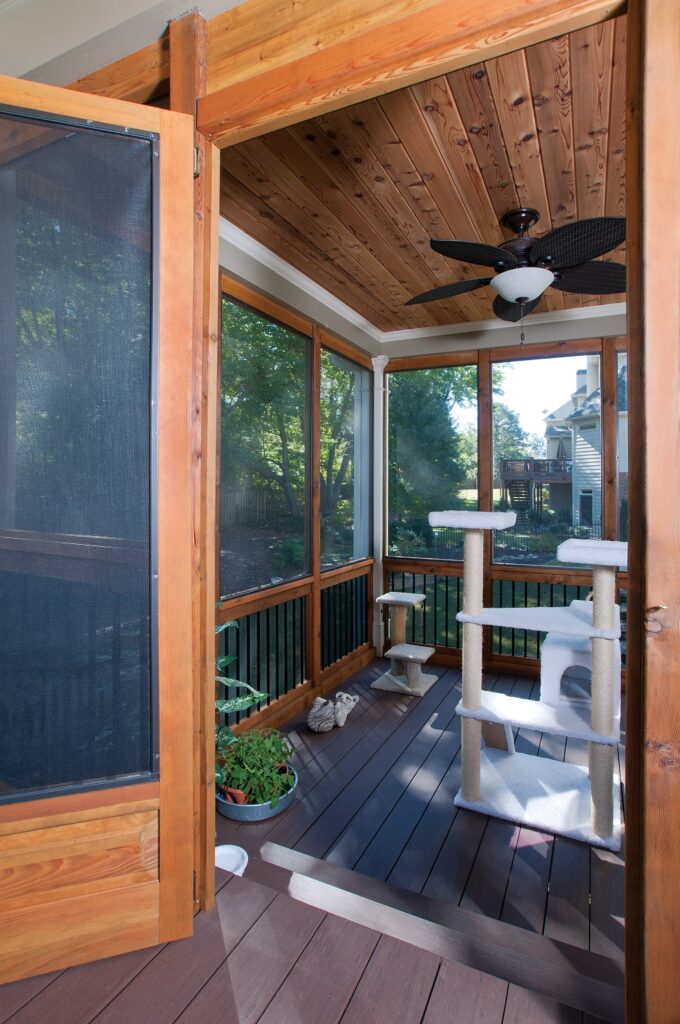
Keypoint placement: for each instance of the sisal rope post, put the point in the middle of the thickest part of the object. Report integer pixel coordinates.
(472, 661)
(601, 756)
(397, 625)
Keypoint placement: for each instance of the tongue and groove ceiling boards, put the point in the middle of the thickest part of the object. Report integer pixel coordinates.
(352, 198)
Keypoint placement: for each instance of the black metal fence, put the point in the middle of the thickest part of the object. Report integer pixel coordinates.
(526, 643)
(269, 650)
(435, 622)
(344, 619)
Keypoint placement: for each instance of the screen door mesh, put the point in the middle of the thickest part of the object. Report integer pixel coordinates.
(76, 326)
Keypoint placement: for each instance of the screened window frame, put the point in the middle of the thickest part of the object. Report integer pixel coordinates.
(309, 586)
(245, 298)
(366, 431)
(607, 349)
(150, 774)
(408, 364)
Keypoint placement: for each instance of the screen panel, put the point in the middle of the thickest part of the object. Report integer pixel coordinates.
(76, 339)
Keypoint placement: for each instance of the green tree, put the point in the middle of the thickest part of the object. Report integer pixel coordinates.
(427, 464)
(510, 440)
(264, 413)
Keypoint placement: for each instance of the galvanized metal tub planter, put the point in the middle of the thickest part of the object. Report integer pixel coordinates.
(256, 812)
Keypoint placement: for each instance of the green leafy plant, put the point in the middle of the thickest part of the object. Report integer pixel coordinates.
(224, 736)
(257, 764)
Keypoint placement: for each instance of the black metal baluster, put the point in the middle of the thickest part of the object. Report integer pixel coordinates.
(285, 648)
(277, 630)
(268, 648)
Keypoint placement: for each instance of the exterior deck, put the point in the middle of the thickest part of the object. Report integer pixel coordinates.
(377, 797)
(263, 956)
(443, 911)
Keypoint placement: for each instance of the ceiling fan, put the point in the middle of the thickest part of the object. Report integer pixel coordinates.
(565, 258)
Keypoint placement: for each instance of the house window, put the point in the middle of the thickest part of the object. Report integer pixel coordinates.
(432, 460)
(265, 451)
(547, 453)
(345, 463)
(585, 508)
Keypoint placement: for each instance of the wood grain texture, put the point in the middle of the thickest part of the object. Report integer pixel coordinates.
(65, 810)
(139, 77)
(385, 57)
(61, 933)
(652, 769)
(369, 185)
(188, 81)
(54, 863)
(175, 518)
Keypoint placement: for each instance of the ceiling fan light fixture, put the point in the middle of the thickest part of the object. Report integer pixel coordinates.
(522, 283)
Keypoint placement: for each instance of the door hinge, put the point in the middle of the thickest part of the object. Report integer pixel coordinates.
(197, 162)
(194, 885)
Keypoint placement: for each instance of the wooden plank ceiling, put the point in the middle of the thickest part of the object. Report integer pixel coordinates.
(352, 198)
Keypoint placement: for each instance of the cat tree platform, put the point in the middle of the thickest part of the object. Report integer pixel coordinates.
(550, 796)
(570, 721)
(568, 621)
(405, 674)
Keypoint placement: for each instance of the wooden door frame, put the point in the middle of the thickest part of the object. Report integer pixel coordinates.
(127, 916)
(350, 71)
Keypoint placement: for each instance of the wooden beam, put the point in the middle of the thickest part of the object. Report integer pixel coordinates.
(653, 747)
(140, 77)
(188, 76)
(391, 54)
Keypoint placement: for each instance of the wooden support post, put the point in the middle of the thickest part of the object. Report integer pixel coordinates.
(188, 78)
(314, 470)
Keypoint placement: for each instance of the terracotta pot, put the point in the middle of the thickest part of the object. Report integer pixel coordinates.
(235, 796)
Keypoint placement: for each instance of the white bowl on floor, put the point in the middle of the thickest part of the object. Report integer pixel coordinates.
(231, 858)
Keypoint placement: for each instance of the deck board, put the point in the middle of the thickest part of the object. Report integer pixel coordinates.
(395, 986)
(379, 799)
(282, 960)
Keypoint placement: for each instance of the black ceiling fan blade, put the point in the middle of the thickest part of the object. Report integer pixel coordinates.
(513, 311)
(598, 277)
(579, 242)
(447, 291)
(474, 252)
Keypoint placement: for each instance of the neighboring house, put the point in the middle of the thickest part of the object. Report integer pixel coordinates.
(571, 472)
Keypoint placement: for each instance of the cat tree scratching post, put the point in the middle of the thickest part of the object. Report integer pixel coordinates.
(605, 557)
(474, 524)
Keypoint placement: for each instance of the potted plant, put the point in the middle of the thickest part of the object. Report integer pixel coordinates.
(253, 779)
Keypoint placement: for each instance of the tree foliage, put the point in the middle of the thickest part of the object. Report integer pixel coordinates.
(264, 407)
(427, 463)
(510, 440)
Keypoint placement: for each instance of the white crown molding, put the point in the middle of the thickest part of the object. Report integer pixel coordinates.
(248, 259)
(557, 316)
(251, 247)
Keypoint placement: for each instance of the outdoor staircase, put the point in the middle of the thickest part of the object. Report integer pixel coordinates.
(520, 494)
(585, 981)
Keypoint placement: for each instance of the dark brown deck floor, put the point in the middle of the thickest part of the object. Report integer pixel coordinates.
(262, 956)
(377, 796)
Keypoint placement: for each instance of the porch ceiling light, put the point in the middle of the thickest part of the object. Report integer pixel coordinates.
(523, 284)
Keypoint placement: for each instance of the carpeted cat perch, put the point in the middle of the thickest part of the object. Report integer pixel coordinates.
(570, 800)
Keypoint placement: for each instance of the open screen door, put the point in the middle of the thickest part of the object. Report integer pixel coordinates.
(96, 263)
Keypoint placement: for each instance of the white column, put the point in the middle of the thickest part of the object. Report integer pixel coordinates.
(472, 662)
(379, 490)
(602, 701)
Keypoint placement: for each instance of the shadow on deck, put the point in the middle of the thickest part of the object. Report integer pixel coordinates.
(376, 797)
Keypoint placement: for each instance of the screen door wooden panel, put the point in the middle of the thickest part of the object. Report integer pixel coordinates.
(96, 250)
